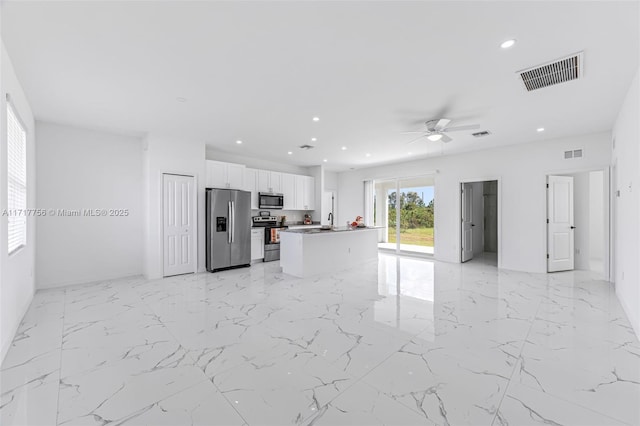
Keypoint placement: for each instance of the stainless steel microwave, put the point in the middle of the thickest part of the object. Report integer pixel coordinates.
(267, 200)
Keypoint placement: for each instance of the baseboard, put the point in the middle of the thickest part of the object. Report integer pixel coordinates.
(89, 280)
(6, 343)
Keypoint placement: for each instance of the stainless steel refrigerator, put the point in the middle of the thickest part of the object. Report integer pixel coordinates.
(228, 228)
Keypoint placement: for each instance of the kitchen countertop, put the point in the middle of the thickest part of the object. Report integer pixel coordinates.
(328, 231)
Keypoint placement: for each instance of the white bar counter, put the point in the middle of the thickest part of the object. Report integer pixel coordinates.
(307, 252)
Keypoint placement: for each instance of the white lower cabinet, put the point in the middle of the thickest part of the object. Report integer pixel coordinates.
(257, 244)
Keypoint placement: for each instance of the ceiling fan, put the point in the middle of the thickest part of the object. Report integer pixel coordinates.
(437, 129)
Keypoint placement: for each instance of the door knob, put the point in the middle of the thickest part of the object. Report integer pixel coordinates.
(473, 224)
(573, 227)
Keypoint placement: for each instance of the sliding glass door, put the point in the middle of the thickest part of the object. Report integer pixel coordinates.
(405, 208)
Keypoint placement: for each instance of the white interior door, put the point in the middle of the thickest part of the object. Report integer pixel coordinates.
(560, 234)
(467, 222)
(178, 207)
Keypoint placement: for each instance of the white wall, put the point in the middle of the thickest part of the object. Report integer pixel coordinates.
(598, 220)
(521, 170)
(169, 155)
(626, 157)
(17, 283)
(85, 169)
(330, 181)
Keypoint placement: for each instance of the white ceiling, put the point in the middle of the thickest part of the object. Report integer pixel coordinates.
(259, 71)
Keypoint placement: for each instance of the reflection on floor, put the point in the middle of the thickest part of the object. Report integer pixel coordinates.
(407, 248)
(485, 258)
(400, 341)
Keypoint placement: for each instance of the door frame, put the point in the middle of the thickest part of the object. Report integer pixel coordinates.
(499, 195)
(194, 218)
(397, 179)
(608, 190)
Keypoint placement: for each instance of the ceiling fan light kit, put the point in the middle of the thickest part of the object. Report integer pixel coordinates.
(437, 130)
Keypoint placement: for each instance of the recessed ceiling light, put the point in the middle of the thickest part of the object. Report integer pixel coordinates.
(540, 129)
(289, 152)
(313, 139)
(181, 99)
(316, 119)
(325, 160)
(408, 153)
(344, 148)
(238, 142)
(508, 43)
(435, 137)
(368, 155)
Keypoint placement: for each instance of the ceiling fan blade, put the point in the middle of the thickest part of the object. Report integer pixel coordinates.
(460, 128)
(445, 139)
(406, 133)
(441, 124)
(413, 140)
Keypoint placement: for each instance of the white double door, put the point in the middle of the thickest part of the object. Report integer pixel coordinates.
(179, 217)
(560, 224)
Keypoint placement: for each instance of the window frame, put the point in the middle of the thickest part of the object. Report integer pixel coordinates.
(23, 217)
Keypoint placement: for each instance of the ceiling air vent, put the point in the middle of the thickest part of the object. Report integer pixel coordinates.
(305, 146)
(481, 134)
(551, 73)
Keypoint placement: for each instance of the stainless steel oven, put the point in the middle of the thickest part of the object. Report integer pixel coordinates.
(272, 243)
(271, 236)
(268, 200)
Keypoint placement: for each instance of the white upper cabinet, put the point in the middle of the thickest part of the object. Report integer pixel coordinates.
(289, 191)
(263, 183)
(276, 182)
(235, 175)
(305, 193)
(224, 175)
(298, 191)
(309, 193)
(269, 181)
(251, 185)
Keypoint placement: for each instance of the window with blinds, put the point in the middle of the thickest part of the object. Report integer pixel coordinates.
(16, 181)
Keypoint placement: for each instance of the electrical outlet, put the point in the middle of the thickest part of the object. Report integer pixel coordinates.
(577, 251)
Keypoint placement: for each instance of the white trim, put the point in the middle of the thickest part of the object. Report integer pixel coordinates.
(609, 193)
(473, 180)
(194, 217)
(397, 181)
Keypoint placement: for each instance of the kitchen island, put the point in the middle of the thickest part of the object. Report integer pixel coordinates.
(307, 252)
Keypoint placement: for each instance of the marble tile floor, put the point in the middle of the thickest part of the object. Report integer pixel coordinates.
(398, 341)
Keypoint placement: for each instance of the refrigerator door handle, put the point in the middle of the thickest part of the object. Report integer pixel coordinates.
(229, 225)
(233, 223)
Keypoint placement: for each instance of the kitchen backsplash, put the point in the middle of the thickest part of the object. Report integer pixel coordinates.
(292, 215)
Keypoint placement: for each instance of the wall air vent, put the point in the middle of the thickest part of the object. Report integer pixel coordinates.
(574, 153)
(305, 146)
(559, 71)
(481, 134)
